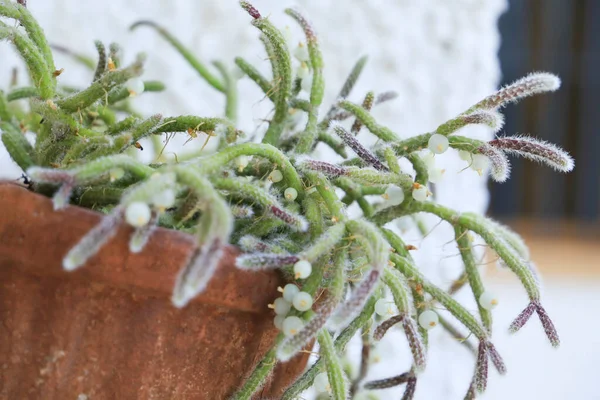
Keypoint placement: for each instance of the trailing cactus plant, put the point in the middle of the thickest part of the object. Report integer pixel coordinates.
(285, 210)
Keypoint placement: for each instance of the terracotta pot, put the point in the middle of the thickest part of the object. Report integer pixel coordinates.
(108, 330)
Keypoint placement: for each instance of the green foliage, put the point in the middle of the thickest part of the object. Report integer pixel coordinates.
(85, 148)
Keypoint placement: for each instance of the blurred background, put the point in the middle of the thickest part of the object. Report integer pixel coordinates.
(558, 214)
(441, 57)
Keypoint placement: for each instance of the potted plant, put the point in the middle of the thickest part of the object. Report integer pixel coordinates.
(285, 211)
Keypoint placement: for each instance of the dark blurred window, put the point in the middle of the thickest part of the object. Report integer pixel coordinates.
(562, 37)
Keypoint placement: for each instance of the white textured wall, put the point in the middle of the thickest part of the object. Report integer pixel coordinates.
(439, 55)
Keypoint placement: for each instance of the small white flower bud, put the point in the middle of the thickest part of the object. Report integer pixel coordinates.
(302, 269)
(291, 326)
(302, 301)
(135, 86)
(428, 319)
(438, 144)
(290, 194)
(137, 214)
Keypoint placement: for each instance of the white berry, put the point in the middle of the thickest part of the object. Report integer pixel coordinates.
(435, 174)
(321, 383)
(384, 307)
(420, 193)
(438, 144)
(164, 199)
(301, 52)
(302, 269)
(276, 176)
(480, 163)
(302, 72)
(465, 155)
(302, 301)
(428, 319)
(137, 214)
(278, 321)
(488, 300)
(291, 326)
(242, 162)
(290, 194)
(429, 159)
(289, 291)
(135, 86)
(394, 195)
(306, 84)
(116, 174)
(281, 306)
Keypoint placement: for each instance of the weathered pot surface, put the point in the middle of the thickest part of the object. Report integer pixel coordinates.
(109, 330)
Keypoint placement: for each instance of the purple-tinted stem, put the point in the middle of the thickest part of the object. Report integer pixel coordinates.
(250, 9)
(389, 382)
(481, 368)
(522, 318)
(496, 358)
(386, 325)
(409, 391)
(547, 324)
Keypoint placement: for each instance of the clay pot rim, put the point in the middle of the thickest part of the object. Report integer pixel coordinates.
(25, 241)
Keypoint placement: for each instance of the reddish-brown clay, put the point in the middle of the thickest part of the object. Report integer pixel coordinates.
(108, 330)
